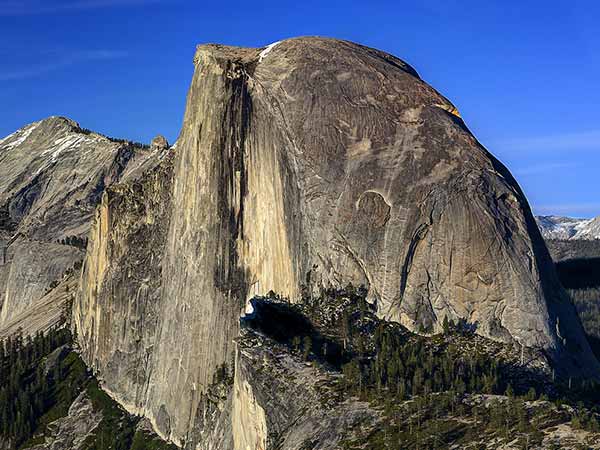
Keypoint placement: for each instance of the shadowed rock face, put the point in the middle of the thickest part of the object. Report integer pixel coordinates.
(309, 164)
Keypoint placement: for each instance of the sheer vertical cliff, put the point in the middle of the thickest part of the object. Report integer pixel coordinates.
(52, 174)
(118, 305)
(311, 163)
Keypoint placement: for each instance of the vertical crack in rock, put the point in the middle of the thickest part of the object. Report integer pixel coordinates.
(418, 236)
(233, 188)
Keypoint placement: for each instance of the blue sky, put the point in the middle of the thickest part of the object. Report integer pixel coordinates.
(524, 75)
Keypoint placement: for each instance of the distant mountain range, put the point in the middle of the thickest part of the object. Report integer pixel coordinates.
(567, 228)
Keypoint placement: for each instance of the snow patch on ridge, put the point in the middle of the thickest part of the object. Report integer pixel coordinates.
(62, 144)
(21, 136)
(10, 136)
(267, 49)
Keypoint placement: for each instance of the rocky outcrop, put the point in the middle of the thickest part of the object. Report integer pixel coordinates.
(312, 163)
(119, 309)
(159, 143)
(52, 175)
(280, 401)
(71, 431)
(30, 270)
(46, 312)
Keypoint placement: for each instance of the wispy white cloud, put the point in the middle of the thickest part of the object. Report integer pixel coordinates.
(585, 140)
(59, 62)
(32, 7)
(537, 169)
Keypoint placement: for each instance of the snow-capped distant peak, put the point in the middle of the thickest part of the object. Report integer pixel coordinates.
(568, 228)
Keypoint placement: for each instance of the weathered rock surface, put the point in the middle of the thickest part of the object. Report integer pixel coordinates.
(52, 175)
(71, 431)
(118, 311)
(46, 312)
(31, 268)
(159, 143)
(309, 164)
(280, 401)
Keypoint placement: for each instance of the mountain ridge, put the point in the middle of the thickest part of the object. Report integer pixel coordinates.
(568, 228)
(52, 175)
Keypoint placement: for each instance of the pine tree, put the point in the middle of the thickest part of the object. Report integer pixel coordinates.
(446, 325)
(307, 347)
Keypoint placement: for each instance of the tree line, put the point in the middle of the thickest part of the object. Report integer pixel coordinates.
(28, 386)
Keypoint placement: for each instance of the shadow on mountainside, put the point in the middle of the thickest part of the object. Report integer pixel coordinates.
(342, 332)
(581, 278)
(579, 273)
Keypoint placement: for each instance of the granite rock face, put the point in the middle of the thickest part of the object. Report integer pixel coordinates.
(311, 163)
(52, 175)
(266, 413)
(49, 310)
(118, 310)
(159, 143)
(32, 267)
